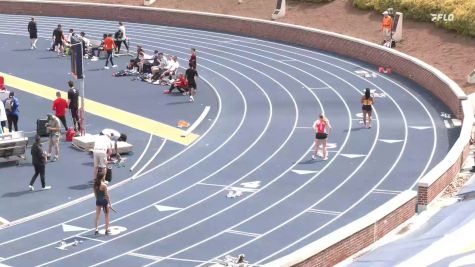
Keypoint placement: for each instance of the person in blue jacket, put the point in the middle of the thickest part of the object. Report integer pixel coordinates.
(12, 108)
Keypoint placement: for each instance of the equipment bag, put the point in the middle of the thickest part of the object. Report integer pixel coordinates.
(41, 129)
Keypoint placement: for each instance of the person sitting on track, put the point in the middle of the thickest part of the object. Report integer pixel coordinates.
(173, 67)
(181, 84)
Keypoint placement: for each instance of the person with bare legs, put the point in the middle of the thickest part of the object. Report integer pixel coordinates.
(190, 74)
(33, 31)
(367, 101)
(322, 128)
(102, 202)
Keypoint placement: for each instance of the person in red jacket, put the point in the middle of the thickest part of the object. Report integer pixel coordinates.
(181, 84)
(109, 46)
(60, 105)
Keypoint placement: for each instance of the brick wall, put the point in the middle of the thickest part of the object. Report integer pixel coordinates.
(287, 34)
(363, 238)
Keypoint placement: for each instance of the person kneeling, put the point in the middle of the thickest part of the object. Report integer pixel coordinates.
(180, 84)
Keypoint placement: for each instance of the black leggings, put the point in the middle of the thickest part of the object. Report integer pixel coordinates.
(63, 121)
(119, 43)
(109, 56)
(39, 169)
(12, 119)
(75, 116)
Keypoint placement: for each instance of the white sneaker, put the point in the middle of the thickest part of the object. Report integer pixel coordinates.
(31, 188)
(114, 66)
(157, 82)
(48, 187)
(94, 59)
(191, 98)
(32, 48)
(106, 67)
(313, 156)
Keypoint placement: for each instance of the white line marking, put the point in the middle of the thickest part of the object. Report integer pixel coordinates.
(286, 60)
(143, 153)
(319, 88)
(304, 171)
(197, 122)
(208, 184)
(389, 141)
(158, 258)
(72, 228)
(420, 127)
(242, 233)
(352, 156)
(388, 191)
(253, 184)
(166, 208)
(456, 123)
(384, 192)
(92, 239)
(149, 161)
(303, 127)
(328, 212)
(447, 124)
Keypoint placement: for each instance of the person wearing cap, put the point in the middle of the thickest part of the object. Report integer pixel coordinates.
(54, 129)
(387, 26)
(60, 105)
(12, 108)
(39, 159)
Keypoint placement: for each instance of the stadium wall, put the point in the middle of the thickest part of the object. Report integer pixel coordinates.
(359, 234)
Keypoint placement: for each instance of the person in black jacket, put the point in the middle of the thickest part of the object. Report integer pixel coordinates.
(39, 162)
(33, 33)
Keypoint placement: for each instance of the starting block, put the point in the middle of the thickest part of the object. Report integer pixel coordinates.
(385, 70)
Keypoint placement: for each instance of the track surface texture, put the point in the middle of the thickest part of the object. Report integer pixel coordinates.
(264, 98)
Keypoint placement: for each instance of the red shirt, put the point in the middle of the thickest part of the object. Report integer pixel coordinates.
(109, 44)
(60, 105)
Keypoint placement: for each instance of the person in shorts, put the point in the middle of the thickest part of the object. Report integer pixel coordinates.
(103, 202)
(54, 129)
(59, 40)
(33, 31)
(190, 74)
(322, 129)
(102, 150)
(367, 101)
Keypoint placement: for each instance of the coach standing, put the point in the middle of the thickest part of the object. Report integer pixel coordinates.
(39, 161)
(60, 106)
(387, 26)
(33, 33)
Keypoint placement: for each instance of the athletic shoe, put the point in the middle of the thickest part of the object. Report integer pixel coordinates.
(325, 158)
(106, 67)
(191, 98)
(31, 188)
(114, 66)
(314, 157)
(48, 187)
(157, 82)
(108, 232)
(96, 232)
(94, 59)
(32, 48)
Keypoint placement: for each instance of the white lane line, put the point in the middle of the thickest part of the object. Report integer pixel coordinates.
(197, 122)
(150, 160)
(420, 127)
(326, 212)
(386, 191)
(216, 185)
(143, 153)
(91, 239)
(242, 233)
(162, 208)
(303, 172)
(286, 60)
(447, 123)
(390, 141)
(303, 127)
(319, 88)
(157, 259)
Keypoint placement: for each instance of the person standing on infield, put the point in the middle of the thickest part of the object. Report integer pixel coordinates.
(73, 99)
(322, 128)
(33, 33)
(60, 105)
(102, 202)
(38, 157)
(190, 77)
(367, 101)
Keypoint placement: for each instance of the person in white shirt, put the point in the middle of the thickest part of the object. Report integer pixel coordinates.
(102, 150)
(171, 68)
(122, 38)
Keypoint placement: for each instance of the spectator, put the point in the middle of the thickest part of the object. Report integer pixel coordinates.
(54, 129)
(3, 117)
(38, 157)
(181, 84)
(60, 106)
(71, 33)
(109, 46)
(33, 33)
(85, 43)
(172, 67)
(59, 40)
(190, 74)
(73, 99)
(387, 26)
(12, 108)
(121, 38)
